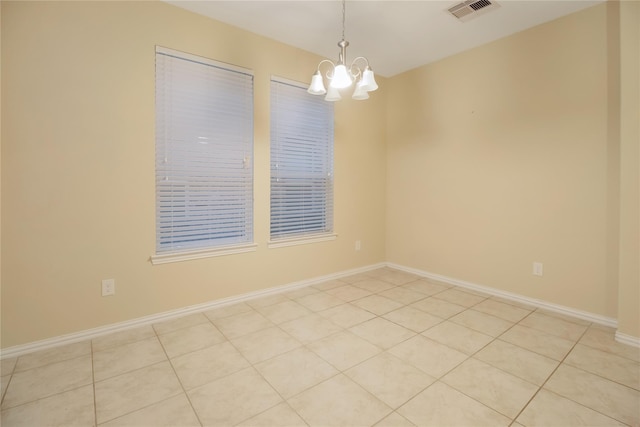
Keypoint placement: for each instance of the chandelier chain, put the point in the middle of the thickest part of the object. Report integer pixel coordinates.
(343, 14)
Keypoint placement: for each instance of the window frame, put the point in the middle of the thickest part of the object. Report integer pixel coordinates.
(311, 236)
(212, 187)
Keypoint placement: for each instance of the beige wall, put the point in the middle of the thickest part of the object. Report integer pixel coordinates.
(629, 288)
(521, 150)
(498, 157)
(0, 178)
(78, 168)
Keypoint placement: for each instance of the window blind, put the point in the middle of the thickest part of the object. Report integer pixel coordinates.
(204, 151)
(301, 162)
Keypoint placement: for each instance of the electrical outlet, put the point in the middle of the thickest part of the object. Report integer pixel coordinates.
(108, 287)
(358, 245)
(537, 269)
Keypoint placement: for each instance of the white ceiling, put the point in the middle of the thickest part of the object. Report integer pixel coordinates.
(394, 35)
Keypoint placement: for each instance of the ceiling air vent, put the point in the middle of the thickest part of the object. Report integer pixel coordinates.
(472, 8)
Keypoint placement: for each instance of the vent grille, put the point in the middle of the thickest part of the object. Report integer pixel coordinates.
(480, 4)
(471, 9)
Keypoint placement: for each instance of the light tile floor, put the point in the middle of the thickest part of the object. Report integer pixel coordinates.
(382, 348)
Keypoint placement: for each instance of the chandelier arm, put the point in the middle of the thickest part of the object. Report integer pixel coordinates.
(333, 66)
(366, 61)
(358, 69)
(355, 72)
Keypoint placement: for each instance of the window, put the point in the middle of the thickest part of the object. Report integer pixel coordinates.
(204, 154)
(301, 163)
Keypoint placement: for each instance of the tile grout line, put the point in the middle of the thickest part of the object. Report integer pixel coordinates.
(139, 369)
(173, 369)
(470, 356)
(386, 351)
(576, 342)
(338, 370)
(343, 373)
(48, 396)
(595, 374)
(302, 345)
(4, 393)
(610, 352)
(513, 420)
(284, 400)
(253, 365)
(551, 375)
(231, 343)
(93, 385)
(383, 350)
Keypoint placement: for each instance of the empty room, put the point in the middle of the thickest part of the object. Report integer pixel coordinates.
(320, 213)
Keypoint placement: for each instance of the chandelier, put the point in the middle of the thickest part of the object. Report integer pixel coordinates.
(341, 77)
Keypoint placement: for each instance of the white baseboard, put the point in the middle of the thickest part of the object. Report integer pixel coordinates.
(20, 350)
(567, 311)
(87, 334)
(627, 339)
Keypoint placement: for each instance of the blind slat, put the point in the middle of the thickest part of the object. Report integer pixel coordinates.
(204, 151)
(301, 162)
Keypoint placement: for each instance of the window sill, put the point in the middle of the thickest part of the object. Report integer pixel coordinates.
(301, 240)
(204, 253)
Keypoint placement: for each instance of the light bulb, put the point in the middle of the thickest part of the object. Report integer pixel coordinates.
(368, 80)
(360, 93)
(333, 94)
(341, 78)
(317, 86)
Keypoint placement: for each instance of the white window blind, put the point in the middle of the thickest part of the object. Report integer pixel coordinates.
(204, 153)
(301, 162)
